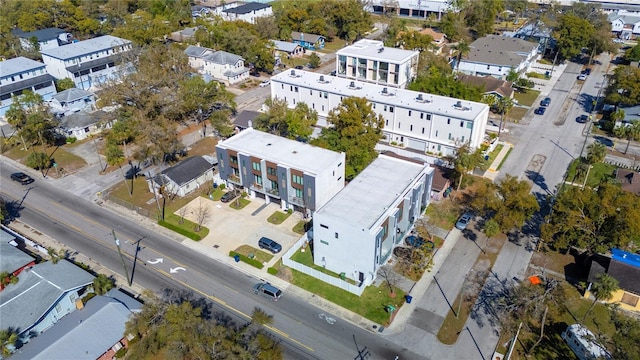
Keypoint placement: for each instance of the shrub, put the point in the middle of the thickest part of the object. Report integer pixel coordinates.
(179, 230)
(272, 271)
(245, 259)
(38, 160)
(222, 186)
(71, 140)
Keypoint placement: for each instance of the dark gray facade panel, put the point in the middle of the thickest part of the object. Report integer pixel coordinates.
(283, 189)
(309, 196)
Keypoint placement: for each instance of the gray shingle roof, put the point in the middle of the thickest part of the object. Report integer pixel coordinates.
(18, 65)
(196, 51)
(284, 45)
(499, 50)
(41, 35)
(223, 58)
(247, 8)
(312, 38)
(81, 119)
(6, 237)
(243, 118)
(83, 334)
(187, 169)
(22, 304)
(72, 94)
(85, 47)
(12, 258)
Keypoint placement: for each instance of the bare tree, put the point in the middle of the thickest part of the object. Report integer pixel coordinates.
(202, 214)
(391, 278)
(182, 212)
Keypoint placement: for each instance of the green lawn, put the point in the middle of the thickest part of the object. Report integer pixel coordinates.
(443, 214)
(516, 114)
(258, 254)
(302, 226)
(505, 158)
(215, 194)
(492, 156)
(306, 258)
(599, 173)
(527, 97)
(371, 304)
(278, 217)
(239, 203)
(186, 225)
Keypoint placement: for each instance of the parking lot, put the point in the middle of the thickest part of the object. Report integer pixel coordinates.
(230, 228)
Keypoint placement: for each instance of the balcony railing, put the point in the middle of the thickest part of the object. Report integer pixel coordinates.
(257, 186)
(234, 178)
(296, 200)
(273, 192)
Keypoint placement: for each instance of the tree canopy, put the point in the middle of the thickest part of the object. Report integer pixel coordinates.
(633, 54)
(573, 34)
(294, 123)
(624, 86)
(355, 130)
(436, 81)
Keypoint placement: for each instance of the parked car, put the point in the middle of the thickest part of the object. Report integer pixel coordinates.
(254, 73)
(587, 71)
(22, 178)
(540, 110)
(268, 244)
(265, 83)
(227, 197)
(582, 77)
(545, 102)
(299, 67)
(464, 220)
(268, 290)
(582, 118)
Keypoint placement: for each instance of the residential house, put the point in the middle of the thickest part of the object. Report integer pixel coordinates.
(81, 125)
(497, 55)
(248, 12)
(213, 7)
(370, 61)
(46, 39)
(419, 122)
(94, 331)
(199, 11)
(631, 113)
(489, 85)
(629, 179)
(45, 293)
(625, 268)
(439, 40)
(298, 175)
(410, 8)
(219, 65)
(89, 63)
(184, 34)
(441, 182)
(308, 41)
(285, 49)
(244, 120)
(13, 260)
(355, 232)
(184, 177)
(625, 25)
(20, 74)
(537, 32)
(72, 100)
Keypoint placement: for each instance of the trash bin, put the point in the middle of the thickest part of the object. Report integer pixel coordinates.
(408, 298)
(236, 258)
(343, 276)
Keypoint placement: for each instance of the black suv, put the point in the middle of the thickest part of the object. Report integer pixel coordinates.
(545, 102)
(268, 244)
(22, 178)
(540, 110)
(227, 197)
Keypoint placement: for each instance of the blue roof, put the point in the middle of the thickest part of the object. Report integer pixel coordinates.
(626, 257)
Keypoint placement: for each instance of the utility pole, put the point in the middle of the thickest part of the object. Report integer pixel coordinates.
(124, 265)
(98, 153)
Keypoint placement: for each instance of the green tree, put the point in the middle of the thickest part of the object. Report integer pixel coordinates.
(30, 117)
(480, 15)
(628, 132)
(464, 160)
(517, 203)
(602, 290)
(115, 157)
(4, 211)
(102, 284)
(491, 228)
(593, 220)
(219, 120)
(573, 34)
(314, 60)
(624, 86)
(294, 123)
(64, 84)
(142, 28)
(413, 40)
(596, 153)
(633, 54)
(355, 130)
(8, 338)
(39, 161)
(435, 81)
(462, 48)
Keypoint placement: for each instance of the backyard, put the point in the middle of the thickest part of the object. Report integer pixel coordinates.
(526, 97)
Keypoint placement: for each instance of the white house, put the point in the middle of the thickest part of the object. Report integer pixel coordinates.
(416, 9)
(220, 65)
(297, 175)
(422, 123)
(72, 100)
(496, 55)
(372, 62)
(356, 231)
(184, 177)
(19, 74)
(286, 49)
(89, 63)
(582, 342)
(625, 25)
(48, 38)
(248, 12)
(81, 125)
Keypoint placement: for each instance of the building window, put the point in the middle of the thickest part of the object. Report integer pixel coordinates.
(326, 95)
(436, 133)
(296, 89)
(409, 112)
(469, 125)
(448, 121)
(271, 171)
(385, 108)
(257, 179)
(290, 87)
(297, 179)
(391, 109)
(461, 123)
(255, 166)
(299, 193)
(310, 92)
(282, 86)
(428, 117)
(324, 226)
(336, 235)
(421, 116)
(234, 159)
(423, 130)
(410, 127)
(398, 125)
(58, 308)
(324, 242)
(450, 137)
(374, 105)
(386, 122)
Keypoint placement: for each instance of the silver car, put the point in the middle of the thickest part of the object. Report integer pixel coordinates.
(464, 220)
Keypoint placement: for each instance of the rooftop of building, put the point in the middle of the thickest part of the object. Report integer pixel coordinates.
(18, 65)
(41, 35)
(12, 258)
(415, 100)
(247, 8)
(294, 154)
(499, 50)
(375, 49)
(85, 47)
(284, 45)
(72, 94)
(312, 38)
(373, 191)
(189, 169)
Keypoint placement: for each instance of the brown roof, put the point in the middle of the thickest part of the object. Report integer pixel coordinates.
(437, 37)
(489, 84)
(629, 180)
(440, 178)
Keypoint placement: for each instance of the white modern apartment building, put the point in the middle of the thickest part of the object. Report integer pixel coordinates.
(356, 231)
(248, 12)
(372, 62)
(299, 176)
(89, 63)
(20, 74)
(425, 123)
(412, 8)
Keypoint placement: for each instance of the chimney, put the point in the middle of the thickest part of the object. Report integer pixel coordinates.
(459, 104)
(293, 72)
(384, 90)
(321, 78)
(302, 36)
(419, 97)
(250, 124)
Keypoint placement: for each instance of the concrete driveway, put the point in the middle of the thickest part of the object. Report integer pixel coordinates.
(230, 228)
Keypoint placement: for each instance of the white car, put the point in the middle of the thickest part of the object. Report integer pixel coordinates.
(265, 83)
(582, 77)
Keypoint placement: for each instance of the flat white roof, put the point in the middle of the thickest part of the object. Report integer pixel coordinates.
(373, 191)
(85, 47)
(294, 154)
(18, 65)
(435, 104)
(370, 49)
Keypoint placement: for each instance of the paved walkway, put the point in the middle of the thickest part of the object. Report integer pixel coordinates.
(493, 171)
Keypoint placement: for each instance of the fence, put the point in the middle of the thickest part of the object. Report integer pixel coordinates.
(286, 260)
(26, 240)
(128, 205)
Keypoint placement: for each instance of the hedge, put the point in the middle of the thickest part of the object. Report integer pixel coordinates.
(179, 230)
(272, 271)
(243, 258)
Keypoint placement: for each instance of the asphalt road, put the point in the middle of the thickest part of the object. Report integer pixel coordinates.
(87, 228)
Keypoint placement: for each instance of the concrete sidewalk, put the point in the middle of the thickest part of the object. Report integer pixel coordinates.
(493, 171)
